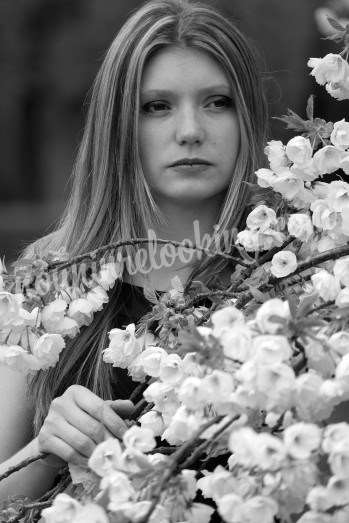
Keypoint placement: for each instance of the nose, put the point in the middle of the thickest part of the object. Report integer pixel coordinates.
(189, 127)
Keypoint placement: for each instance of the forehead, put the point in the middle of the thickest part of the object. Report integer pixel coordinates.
(177, 68)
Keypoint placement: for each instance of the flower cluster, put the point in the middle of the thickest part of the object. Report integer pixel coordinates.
(32, 335)
(317, 213)
(253, 386)
(124, 475)
(272, 445)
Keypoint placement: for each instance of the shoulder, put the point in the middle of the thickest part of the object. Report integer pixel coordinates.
(50, 242)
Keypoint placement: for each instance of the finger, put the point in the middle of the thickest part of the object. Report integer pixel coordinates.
(85, 423)
(88, 401)
(112, 421)
(60, 448)
(79, 441)
(124, 408)
(96, 407)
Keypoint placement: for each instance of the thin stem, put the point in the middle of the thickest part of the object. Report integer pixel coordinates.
(176, 458)
(202, 295)
(21, 465)
(111, 246)
(268, 255)
(201, 448)
(138, 391)
(332, 254)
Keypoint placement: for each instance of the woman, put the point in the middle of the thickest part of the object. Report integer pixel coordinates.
(176, 125)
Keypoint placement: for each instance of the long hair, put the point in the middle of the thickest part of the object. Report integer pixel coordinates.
(110, 199)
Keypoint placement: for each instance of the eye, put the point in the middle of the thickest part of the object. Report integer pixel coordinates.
(155, 107)
(220, 102)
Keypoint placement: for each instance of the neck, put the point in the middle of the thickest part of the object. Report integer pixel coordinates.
(194, 222)
(185, 222)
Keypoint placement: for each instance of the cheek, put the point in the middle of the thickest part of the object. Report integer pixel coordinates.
(149, 142)
(230, 141)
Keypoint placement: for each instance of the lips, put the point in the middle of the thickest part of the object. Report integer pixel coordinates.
(190, 161)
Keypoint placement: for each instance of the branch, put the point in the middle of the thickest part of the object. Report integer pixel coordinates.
(115, 245)
(332, 254)
(268, 255)
(43, 502)
(201, 448)
(176, 458)
(21, 465)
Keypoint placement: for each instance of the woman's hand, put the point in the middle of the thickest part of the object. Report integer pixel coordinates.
(77, 421)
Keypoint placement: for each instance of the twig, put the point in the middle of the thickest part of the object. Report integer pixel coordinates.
(56, 489)
(163, 450)
(114, 245)
(176, 458)
(201, 448)
(268, 255)
(203, 295)
(332, 254)
(43, 502)
(139, 408)
(138, 391)
(30, 506)
(21, 465)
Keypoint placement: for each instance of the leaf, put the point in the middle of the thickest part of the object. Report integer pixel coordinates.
(177, 285)
(335, 24)
(310, 107)
(306, 304)
(292, 303)
(257, 294)
(293, 121)
(150, 294)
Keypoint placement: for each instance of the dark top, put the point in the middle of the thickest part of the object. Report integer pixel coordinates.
(133, 305)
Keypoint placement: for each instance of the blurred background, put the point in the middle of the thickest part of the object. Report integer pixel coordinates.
(50, 51)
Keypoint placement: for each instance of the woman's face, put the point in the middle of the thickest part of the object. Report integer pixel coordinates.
(189, 131)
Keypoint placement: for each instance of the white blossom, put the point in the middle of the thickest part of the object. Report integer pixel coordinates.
(193, 393)
(325, 284)
(81, 311)
(119, 487)
(106, 457)
(171, 369)
(299, 150)
(330, 68)
(237, 342)
(139, 438)
(216, 484)
(261, 218)
(275, 151)
(327, 159)
(226, 318)
(123, 347)
(300, 226)
(283, 263)
(341, 270)
(271, 348)
(63, 510)
(342, 299)
(340, 135)
(97, 297)
(48, 348)
(301, 439)
(324, 216)
(152, 420)
(268, 314)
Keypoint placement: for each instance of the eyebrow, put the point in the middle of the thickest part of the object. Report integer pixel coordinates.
(168, 92)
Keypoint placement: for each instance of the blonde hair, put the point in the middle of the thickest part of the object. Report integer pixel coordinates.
(110, 199)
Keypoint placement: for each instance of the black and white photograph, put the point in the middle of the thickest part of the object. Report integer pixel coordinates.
(174, 261)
